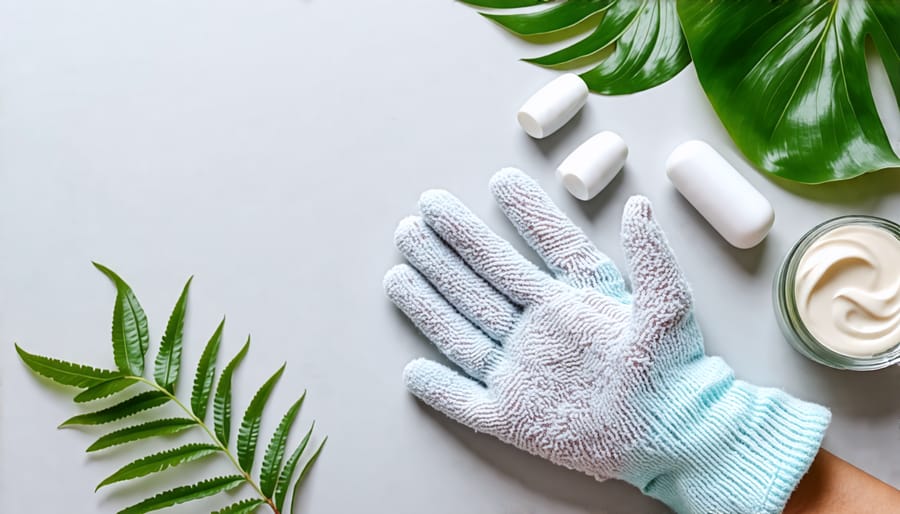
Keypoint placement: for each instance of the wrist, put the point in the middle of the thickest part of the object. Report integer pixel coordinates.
(717, 444)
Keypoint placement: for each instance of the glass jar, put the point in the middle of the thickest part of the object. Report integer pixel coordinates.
(789, 316)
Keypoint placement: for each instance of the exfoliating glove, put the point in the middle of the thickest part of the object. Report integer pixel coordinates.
(574, 368)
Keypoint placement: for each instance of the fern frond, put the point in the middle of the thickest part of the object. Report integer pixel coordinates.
(248, 434)
(222, 400)
(141, 402)
(129, 327)
(104, 389)
(268, 474)
(185, 494)
(160, 461)
(142, 431)
(206, 372)
(66, 373)
(130, 344)
(168, 360)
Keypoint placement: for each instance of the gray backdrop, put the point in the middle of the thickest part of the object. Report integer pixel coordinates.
(269, 148)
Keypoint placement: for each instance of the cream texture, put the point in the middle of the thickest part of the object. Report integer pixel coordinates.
(847, 290)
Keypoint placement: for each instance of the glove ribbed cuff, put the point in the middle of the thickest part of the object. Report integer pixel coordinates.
(727, 447)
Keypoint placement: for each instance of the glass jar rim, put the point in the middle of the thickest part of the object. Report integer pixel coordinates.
(786, 309)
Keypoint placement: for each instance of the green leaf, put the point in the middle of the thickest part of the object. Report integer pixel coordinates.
(66, 373)
(504, 4)
(309, 464)
(558, 17)
(790, 84)
(129, 327)
(284, 478)
(129, 407)
(649, 46)
(206, 372)
(248, 433)
(242, 507)
(104, 389)
(185, 494)
(159, 462)
(142, 431)
(168, 361)
(268, 475)
(222, 400)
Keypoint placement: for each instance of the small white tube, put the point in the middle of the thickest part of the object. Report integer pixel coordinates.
(593, 165)
(740, 213)
(553, 105)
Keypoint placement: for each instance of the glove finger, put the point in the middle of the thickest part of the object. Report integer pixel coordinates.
(483, 250)
(456, 396)
(661, 293)
(460, 286)
(453, 334)
(563, 246)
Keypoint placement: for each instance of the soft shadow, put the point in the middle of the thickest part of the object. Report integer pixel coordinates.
(593, 209)
(749, 260)
(862, 192)
(863, 394)
(551, 144)
(548, 479)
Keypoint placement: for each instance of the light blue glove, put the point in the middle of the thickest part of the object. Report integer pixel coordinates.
(573, 368)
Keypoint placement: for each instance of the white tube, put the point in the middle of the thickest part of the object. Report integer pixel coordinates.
(553, 105)
(593, 165)
(737, 211)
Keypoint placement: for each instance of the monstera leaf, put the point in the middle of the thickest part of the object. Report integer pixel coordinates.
(788, 79)
(649, 46)
(789, 82)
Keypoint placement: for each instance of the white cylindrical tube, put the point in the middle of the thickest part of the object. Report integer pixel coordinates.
(740, 213)
(593, 165)
(553, 105)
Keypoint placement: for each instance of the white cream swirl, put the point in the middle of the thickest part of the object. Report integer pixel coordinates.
(847, 290)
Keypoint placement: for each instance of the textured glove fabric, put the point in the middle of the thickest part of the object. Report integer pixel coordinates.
(571, 366)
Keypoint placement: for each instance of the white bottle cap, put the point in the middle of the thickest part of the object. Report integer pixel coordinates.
(737, 211)
(553, 105)
(593, 165)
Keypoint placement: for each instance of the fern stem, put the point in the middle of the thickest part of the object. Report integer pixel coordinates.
(269, 501)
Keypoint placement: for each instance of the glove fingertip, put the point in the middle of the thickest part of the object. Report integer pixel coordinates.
(394, 280)
(430, 382)
(414, 374)
(406, 228)
(639, 226)
(434, 201)
(637, 209)
(506, 176)
(436, 384)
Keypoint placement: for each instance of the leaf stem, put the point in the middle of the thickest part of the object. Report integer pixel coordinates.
(224, 448)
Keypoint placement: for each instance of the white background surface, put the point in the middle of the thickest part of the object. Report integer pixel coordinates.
(269, 148)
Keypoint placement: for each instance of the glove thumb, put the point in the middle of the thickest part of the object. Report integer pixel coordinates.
(662, 297)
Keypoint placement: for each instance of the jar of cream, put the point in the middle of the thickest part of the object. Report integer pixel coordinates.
(837, 295)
